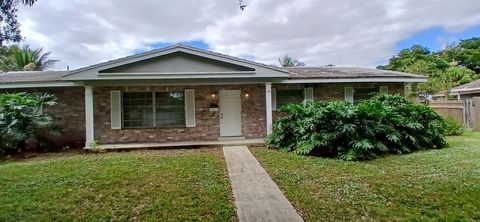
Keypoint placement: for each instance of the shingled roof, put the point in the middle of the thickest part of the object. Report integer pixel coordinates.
(31, 76)
(346, 72)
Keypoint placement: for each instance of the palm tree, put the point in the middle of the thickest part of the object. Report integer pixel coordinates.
(288, 61)
(27, 59)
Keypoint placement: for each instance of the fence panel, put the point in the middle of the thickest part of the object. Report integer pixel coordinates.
(452, 109)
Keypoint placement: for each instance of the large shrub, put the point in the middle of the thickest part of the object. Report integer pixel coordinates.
(385, 124)
(21, 119)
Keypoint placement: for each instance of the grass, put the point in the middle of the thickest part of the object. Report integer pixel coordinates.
(434, 185)
(188, 185)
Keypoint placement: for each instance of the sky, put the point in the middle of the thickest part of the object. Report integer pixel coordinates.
(317, 32)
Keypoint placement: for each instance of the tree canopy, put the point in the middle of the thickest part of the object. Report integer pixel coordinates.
(16, 58)
(287, 61)
(9, 26)
(455, 65)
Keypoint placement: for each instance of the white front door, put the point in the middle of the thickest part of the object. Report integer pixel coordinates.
(230, 113)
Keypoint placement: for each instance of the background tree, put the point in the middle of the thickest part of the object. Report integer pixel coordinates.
(287, 61)
(7, 62)
(26, 59)
(9, 26)
(466, 53)
(445, 69)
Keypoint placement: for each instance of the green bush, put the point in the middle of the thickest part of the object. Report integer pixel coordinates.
(453, 127)
(21, 119)
(385, 124)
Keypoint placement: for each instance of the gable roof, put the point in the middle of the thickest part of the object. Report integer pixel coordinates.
(259, 69)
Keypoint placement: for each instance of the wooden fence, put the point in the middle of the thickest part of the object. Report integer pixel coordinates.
(465, 111)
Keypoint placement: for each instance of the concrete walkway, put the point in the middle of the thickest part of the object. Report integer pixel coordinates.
(257, 197)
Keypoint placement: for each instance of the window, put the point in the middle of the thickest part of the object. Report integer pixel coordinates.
(288, 96)
(138, 109)
(170, 109)
(360, 94)
(153, 109)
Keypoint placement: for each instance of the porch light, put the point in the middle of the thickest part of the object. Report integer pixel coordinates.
(247, 95)
(213, 95)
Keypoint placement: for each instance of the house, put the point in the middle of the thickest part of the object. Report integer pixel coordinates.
(181, 93)
(462, 92)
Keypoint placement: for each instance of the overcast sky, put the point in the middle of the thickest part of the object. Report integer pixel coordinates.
(318, 32)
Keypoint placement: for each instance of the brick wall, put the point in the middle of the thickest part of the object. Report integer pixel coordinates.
(207, 125)
(68, 114)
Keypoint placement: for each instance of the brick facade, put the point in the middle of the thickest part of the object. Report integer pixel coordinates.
(69, 113)
(207, 122)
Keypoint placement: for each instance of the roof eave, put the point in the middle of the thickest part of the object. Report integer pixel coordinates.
(355, 80)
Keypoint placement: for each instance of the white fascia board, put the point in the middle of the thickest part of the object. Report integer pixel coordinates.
(36, 85)
(177, 74)
(354, 80)
(466, 90)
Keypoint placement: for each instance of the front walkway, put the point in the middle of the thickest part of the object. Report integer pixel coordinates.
(257, 197)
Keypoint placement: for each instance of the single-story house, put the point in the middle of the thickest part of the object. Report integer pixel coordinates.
(181, 93)
(462, 92)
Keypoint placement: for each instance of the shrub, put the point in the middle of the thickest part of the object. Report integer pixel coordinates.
(385, 124)
(21, 119)
(453, 127)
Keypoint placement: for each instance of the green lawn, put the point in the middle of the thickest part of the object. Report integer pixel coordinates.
(182, 185)
(434, 185)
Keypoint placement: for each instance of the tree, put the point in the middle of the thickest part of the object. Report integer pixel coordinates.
(28, 59)
(21, 119)
(7, 62)
(9, 26)
(288, 61)
(466, 53)
(443, 68)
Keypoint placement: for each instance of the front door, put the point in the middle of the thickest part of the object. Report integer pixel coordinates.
(230, 113)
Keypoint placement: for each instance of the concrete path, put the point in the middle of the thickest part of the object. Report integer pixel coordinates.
(257, 197)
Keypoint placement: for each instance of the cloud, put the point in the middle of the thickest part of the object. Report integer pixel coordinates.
(318, 32)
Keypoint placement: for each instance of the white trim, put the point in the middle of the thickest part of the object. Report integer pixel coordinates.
(268, 107)
(173, 73)
(352, 80)
(308, 94)
(115, 109)
(348, 93)
(465, 90)
(89, 113)
(274, 99)
(189, 106)
(36, 85)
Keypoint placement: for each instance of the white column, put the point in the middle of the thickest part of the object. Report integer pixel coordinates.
(268, 107)
(89, 133)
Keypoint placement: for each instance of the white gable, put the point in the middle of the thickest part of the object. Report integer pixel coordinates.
(177, 62)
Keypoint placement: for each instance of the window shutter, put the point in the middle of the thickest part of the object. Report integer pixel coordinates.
(116, 109)
(349, 94)
(384, 89)
(190, 108)
(308, 93)
(274, 99)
